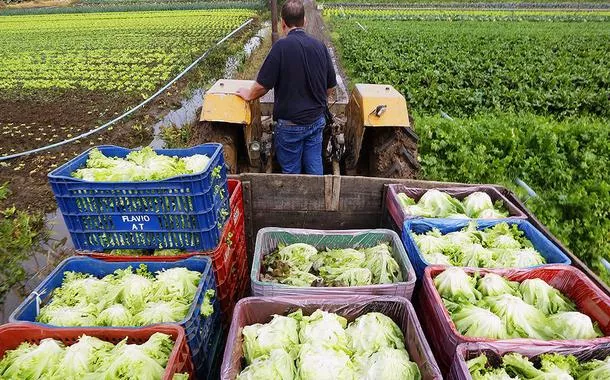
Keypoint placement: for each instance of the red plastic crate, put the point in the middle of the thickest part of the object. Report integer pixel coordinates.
(238, 277)
(13, 334)
(223, 257)
(444, 337)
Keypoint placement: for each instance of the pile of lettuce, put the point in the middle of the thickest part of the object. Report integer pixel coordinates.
(123, 298)
(303, 265)
(89, 358)
(323, 346)
(500, 246)
(493, 307)
(545, 367)
(436, 204)
(139, 165)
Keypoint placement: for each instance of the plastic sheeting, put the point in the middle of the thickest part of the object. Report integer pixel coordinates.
(268, 239)
(261, 309)
(444, 337)
(494, 352)
(399, 215)
(542, 244)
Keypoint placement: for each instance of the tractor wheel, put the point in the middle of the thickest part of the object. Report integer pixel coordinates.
(393, 153)
(223, 133)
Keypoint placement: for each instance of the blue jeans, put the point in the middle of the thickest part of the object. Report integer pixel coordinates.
(298, 148)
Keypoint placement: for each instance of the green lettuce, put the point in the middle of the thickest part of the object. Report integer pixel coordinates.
(259, 339)
(207, 306)
(373, 331)
(298, 255)
(161, 312)
(521, 318)
(574, 325)
(386, 364)
(338, 259)
(115, 315)
(456, 285)
(544, 297)
(132, 361)
(477, 202)
(32, 361)
(382, 265)
(278, 364)
(323, 327)
(595, 369)
(177, 283)
(321, 362)
(59, 315)
(494, 285)
(139, 165)
(477, 322)
(440, 204)
(82, 357)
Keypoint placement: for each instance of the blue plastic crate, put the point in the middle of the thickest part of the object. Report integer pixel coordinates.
(547, 249)
(180, 212)
(199, 329)
(207, 365)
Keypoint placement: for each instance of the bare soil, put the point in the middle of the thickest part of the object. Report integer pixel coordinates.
(41, 4)
(78, 113)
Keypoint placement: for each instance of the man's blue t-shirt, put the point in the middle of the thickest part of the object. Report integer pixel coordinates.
(300, 70)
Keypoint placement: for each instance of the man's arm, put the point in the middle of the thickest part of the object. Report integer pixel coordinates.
(330, 92)
(267, 76)
(252, 93)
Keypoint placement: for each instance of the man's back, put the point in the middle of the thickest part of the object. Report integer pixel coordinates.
(300, 71)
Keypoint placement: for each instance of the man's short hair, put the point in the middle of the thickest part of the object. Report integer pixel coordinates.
(293, 13)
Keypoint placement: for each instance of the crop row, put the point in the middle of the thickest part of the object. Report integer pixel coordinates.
(470, 2)
(131, 52)
(405, 14)
(464, 68)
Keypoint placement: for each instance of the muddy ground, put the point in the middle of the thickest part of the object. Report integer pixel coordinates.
(27, 176)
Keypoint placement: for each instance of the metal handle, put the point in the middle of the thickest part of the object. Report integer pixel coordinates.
(530, 192)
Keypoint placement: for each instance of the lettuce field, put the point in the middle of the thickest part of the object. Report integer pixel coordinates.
(524, 95)
(479, 66)
(131, 52)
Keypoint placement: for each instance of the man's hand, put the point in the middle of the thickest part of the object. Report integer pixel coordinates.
(244, 93)
(253, 93)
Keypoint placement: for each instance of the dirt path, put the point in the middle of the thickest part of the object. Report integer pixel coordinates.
(316, 27)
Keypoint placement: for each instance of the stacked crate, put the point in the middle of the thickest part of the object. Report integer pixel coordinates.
(451, 348)
(271, 298)
(201, 214)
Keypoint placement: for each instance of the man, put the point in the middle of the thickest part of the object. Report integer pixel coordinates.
(301, 72)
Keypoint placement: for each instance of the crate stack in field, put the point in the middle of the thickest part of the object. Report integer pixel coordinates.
(196, 219)
(451, 348)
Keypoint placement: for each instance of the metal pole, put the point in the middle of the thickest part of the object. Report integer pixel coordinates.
(274, 21)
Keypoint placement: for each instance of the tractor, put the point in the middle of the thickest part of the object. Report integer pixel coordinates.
(376, 137)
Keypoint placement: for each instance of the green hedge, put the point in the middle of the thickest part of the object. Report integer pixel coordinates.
(567, 163)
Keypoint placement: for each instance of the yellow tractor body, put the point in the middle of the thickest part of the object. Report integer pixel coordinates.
(228, 116)
(382, 110)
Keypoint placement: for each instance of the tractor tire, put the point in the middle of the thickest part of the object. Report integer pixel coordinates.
(393, 153)
(223, 133)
